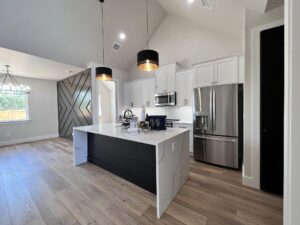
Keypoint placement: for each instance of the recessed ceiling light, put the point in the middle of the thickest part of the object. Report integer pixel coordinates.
(122, 36)
(190, 1)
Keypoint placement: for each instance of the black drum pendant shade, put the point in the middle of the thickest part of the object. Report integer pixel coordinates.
(148, 60)
(103, 73)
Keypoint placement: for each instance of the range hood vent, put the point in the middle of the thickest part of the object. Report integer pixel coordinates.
(206, 4)
(116, 46)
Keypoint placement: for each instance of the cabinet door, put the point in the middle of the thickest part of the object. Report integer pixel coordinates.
(226, 71)
(135, 93)
(151, 86)
(161, 80)
(127, 99)
(189, 87)
(204, 74)
(180, 89)
(171, 78)
(145, 95)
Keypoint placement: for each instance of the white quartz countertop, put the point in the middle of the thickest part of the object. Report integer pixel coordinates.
(115, 130)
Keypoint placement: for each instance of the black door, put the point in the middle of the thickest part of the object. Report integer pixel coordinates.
(272, 110)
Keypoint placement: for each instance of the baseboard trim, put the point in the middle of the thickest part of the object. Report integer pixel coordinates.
(250, 182)
(29, 139)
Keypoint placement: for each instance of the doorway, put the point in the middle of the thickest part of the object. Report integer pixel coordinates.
(107, 102)
(272, 109)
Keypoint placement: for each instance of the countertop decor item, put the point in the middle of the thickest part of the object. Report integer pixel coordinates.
(147, 59)
(102, 72)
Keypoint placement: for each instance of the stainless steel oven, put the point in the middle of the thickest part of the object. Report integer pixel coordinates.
(165, 99)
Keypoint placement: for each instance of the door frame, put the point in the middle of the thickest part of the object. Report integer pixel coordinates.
(254, 179)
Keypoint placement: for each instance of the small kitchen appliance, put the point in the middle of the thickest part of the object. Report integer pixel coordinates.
(165, 99)
(157, 122)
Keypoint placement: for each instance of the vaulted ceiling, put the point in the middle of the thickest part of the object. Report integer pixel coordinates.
(69, 31)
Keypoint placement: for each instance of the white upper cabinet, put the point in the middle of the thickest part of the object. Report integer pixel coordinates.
(132, 94)
(171, 79)
(136, 94)
(151, 85)
(165, 78)
(204, 74)
(148, 91)
(226, 71)
(184, 88)
(139, 92)
(218, 72)
(127, 98)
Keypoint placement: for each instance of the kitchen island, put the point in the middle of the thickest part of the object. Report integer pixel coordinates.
(157, 161)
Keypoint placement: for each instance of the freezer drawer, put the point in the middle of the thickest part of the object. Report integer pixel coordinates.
(217, 150)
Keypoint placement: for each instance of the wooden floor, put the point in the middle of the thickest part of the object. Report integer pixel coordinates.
(39, 185)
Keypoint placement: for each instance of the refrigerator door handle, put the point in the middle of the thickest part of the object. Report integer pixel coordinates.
(227, 139)
(214, 109)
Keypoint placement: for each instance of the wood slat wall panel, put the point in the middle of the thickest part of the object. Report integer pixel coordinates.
(74, 102)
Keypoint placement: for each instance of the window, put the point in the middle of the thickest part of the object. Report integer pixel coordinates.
(13, 106)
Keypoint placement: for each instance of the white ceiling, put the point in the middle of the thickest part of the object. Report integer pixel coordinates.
(73, 35)
(226, 16)
(128, 16)
(69, 31)
(35, 67)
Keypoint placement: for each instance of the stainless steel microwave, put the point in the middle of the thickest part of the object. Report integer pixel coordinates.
(165, 99)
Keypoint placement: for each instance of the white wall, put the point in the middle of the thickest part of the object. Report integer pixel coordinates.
(251, 172)
(184, 113)
(292, 112)
(179, 40)
(105, 103)
(120, 77)
(42, 111)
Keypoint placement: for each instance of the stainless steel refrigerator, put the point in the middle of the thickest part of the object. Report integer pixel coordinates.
(216, 125)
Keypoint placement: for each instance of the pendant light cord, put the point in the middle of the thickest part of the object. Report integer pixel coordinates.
(147, 18)
(103, 61)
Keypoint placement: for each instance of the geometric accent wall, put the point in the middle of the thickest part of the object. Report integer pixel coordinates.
(74, 103)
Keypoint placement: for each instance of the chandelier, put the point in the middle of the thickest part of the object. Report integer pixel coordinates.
(8, 83)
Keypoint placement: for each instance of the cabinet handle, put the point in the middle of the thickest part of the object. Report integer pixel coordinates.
(148, 103)
(131, 104)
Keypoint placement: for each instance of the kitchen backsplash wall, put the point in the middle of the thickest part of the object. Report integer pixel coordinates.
(184, 114)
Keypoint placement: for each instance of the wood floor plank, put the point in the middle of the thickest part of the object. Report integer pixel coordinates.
(84, 211)
(21, 206)
(51, 208)
(45, 188)
(5, 217)
(150, 215)
(185, 215)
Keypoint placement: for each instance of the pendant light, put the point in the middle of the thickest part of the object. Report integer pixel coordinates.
(8, 83)
(148, 60)
(103, 73)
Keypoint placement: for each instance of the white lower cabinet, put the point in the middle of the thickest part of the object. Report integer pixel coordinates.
(190, 127)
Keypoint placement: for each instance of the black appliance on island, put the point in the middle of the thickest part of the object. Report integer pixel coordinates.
(157, 122)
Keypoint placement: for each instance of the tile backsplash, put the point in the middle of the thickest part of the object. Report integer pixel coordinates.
(184, 113)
